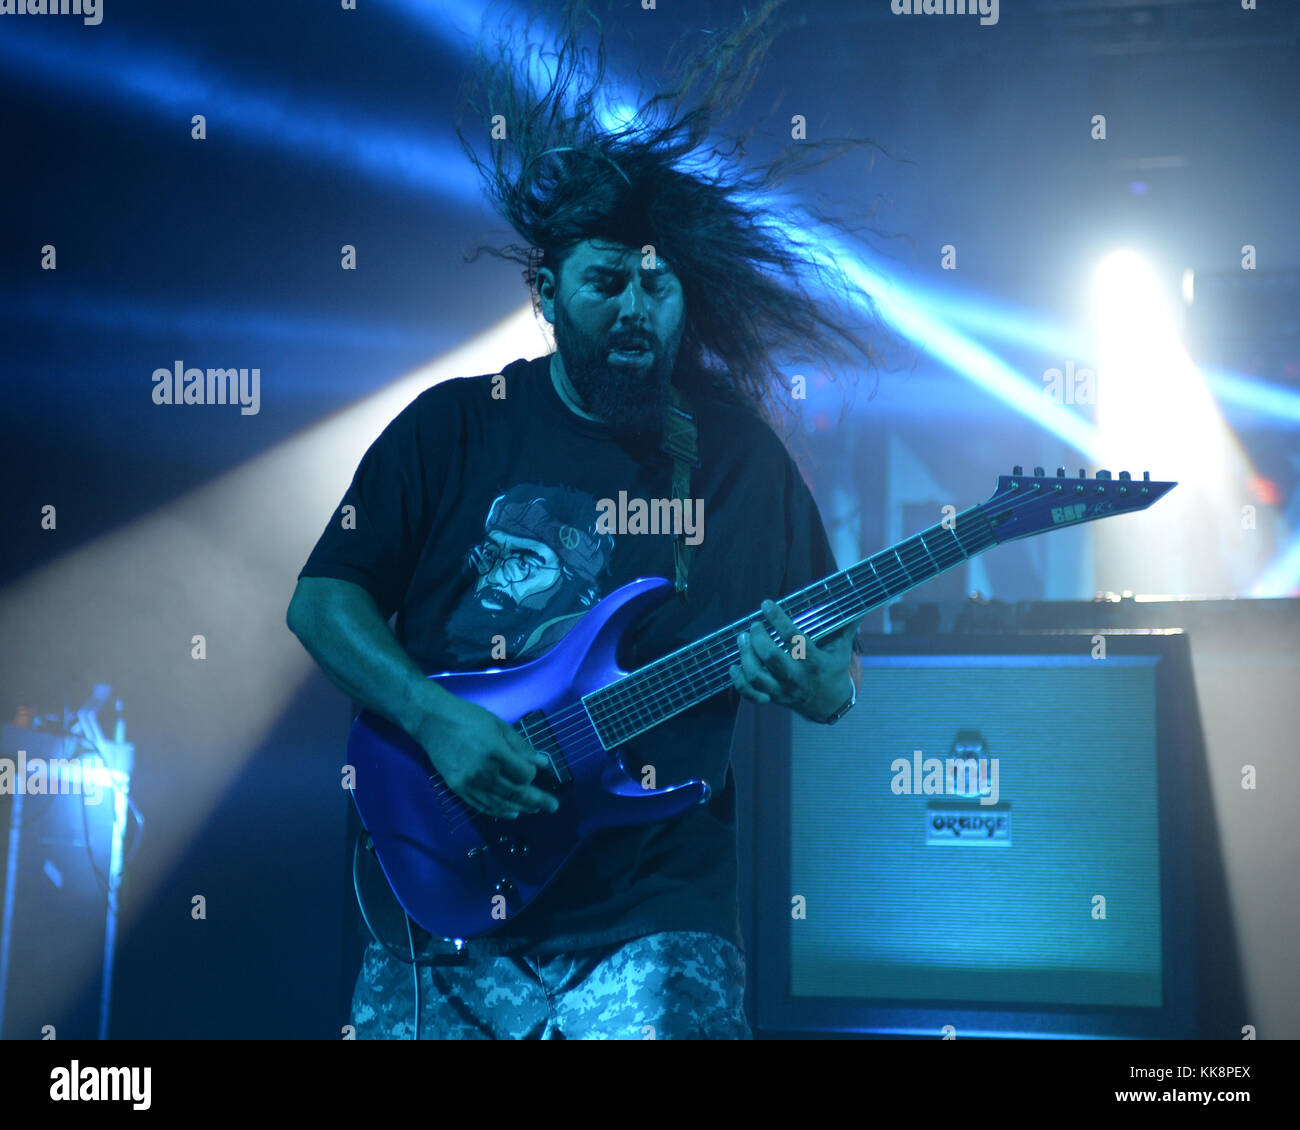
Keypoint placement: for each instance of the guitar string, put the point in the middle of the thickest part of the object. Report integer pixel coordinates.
(820, 617)
(573, 721)
(576, 720)
(711, 669)
(840, 598)
(828, 608)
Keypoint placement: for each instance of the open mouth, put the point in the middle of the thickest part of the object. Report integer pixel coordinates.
(629, 351)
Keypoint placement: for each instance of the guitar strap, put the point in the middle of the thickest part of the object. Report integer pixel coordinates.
(681, 441)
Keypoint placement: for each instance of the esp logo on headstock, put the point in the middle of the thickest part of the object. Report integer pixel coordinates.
(1068, 513)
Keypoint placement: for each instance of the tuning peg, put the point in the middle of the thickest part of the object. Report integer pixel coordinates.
(1038, 472)
(1103, 474)
(1083, 472)
(1017, 470)
(1060, 472)
(1125, 476)
(1146, 476)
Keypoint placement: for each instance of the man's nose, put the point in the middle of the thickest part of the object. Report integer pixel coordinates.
(634, 303)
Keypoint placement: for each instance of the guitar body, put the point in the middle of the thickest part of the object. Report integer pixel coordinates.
(450, 867)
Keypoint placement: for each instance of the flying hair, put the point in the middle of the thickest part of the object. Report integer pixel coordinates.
(565, 172)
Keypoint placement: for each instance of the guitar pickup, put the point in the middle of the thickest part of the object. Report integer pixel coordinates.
(537, 730)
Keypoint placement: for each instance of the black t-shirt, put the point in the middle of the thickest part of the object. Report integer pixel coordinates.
(476, 523)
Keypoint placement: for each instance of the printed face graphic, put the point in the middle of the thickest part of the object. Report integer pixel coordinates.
(535, 573)
(515, 572)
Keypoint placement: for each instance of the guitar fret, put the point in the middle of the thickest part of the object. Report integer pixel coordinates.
(930, 555)
(876, 573)
(902, 566)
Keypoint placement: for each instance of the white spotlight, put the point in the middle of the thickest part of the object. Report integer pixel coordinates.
(1154, 412)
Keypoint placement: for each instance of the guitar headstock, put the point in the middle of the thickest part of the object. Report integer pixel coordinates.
(1024, 505)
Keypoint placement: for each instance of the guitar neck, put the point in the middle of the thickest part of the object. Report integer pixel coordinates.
(652, 694)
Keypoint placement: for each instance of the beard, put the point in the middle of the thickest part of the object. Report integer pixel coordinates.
(473, 622)
(630, 399)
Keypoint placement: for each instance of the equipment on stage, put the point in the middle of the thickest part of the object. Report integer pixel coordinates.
(455, 871)
(68, 786)
(1012, 835)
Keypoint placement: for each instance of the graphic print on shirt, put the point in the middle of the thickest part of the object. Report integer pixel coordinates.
(538, 569)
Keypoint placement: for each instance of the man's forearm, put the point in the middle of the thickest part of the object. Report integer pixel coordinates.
(341, 627)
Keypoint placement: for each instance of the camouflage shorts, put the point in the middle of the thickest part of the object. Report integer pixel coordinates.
(662, 986)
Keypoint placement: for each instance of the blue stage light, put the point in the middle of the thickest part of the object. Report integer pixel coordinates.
(153, 81)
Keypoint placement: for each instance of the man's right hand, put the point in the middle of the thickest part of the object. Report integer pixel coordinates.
(484, 761)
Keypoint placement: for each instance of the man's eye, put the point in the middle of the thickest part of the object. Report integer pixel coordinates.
(609, 285)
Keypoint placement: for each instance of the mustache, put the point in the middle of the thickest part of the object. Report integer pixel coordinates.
(496, 596)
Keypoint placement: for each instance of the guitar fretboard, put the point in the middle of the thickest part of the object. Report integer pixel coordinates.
(644, 698)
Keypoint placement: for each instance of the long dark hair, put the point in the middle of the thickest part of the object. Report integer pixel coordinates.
(560, 176)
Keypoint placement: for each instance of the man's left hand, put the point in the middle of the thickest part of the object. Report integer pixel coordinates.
(814, 686)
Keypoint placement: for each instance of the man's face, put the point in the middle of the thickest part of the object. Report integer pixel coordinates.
(618, 326)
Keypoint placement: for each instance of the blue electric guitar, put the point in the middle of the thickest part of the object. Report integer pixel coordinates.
(457, 872)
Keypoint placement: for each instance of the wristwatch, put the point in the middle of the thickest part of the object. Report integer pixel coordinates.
(843, 710)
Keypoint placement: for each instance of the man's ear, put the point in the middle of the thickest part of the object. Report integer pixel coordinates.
(546, 284)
